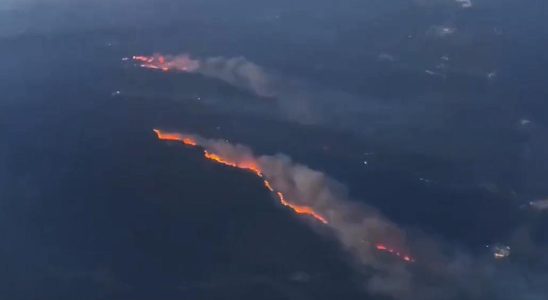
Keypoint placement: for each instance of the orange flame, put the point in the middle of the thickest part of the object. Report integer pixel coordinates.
(251, 166)
(151, 62)
(175, 137)
(166, 63)
(268, 186)
(302, 210)
(246, 165)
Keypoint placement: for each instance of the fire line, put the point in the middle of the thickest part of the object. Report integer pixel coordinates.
(249, 166)
(254, 168)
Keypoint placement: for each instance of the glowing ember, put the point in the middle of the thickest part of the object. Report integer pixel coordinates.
(384, 248)
(217, 158)
(268, 186)
(254, 167)
(381, 247)
(302, 210)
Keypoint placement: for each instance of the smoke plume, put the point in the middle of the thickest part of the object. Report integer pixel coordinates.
(236, 71)
(435, 272)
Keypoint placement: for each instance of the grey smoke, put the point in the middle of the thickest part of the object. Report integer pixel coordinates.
(239, 72)
(236, 71)
(292, 100)
(440, 271)
(296, 100)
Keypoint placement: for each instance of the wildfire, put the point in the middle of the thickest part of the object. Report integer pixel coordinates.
(142, 58)
(254, 168)
(166, 63)
(151, 62)
(246, 165)
(175, 137)
(302, 210)
(250, 166)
